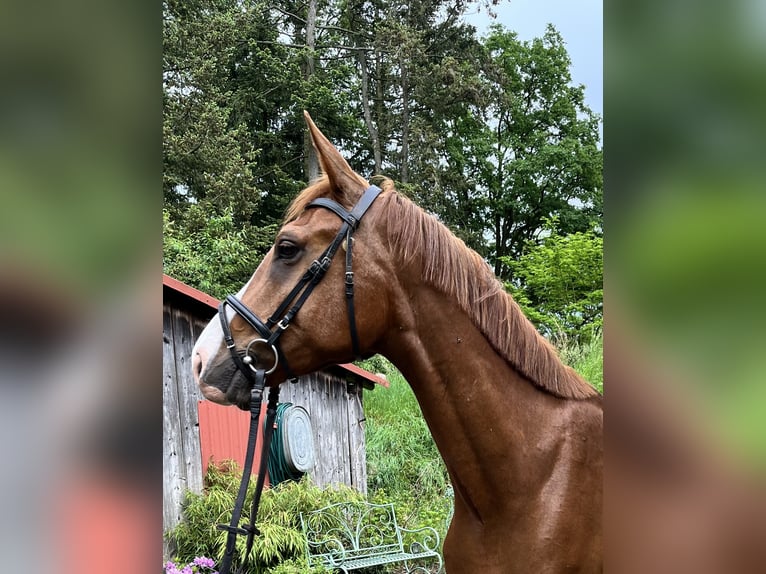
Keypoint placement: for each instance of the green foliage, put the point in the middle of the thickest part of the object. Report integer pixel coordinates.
(585, 358)
(403, 463)
(377, 364)
(280, 549)
(489, 134)
(233, 132)
(207, 151)
(559, 283)
(211, 252)
(525, 149)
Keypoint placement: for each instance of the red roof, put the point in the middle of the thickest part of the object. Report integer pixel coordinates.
(210, 301)
(189, 291)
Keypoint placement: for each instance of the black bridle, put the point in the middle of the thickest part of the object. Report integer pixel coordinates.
(269, 333)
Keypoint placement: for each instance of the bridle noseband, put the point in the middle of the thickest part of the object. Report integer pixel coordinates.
(281, 319)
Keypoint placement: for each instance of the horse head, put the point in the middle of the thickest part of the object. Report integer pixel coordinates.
(340, 295)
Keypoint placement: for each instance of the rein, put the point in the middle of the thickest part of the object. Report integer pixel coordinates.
(281, 319)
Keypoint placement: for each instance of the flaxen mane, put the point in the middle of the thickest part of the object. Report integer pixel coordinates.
(450, 266)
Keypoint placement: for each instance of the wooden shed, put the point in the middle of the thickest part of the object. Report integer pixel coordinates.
(197, 431)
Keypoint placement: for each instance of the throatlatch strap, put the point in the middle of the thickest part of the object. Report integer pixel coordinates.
(350, 295)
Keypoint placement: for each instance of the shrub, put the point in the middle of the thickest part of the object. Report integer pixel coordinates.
(280, 547)
(558, 282)
(403, 463)
(585, 358)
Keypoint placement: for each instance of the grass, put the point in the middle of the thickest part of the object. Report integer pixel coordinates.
(403, 464)
(586, 359)
(403, 467)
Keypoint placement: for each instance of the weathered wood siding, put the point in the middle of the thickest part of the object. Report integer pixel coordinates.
(337, 421)
(334, 405)
(182, 461)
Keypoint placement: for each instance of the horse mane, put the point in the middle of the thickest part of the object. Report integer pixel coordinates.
(320, 187)
(450, 266)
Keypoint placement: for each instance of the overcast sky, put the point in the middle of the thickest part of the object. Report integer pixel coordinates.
(580, 23)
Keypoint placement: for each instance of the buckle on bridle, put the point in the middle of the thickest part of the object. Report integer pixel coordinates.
(281, 325)
(349, 277)
(243, 530)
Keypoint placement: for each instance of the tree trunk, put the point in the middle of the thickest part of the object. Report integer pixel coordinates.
(379, 102)
(310, 162)
(498, 244)
(371, 129)
(405, 171)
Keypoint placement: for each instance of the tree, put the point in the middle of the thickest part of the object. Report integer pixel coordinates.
(233, 95)
(559, 282)
(399, 47)
(207, 152)
(488, 135)
(528, 150)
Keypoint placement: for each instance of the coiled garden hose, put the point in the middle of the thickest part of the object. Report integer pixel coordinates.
(280, 468)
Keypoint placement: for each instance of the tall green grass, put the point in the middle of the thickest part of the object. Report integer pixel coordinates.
(586, 359)
(403, 464)
(403, 467)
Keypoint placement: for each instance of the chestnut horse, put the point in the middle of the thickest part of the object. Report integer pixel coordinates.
(519, 432)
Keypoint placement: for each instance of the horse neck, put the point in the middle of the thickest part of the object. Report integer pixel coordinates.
(486, 419)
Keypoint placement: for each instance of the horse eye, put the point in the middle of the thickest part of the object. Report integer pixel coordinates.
(287, 250)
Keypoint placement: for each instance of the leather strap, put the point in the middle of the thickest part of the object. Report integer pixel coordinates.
(252, 319)
(368, 197)
(230, 344)
(350, 224)
(336, 208)
(233, 528)
(268, 433)
(349, 282)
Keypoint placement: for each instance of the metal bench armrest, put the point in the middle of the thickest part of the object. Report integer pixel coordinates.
(428, 539)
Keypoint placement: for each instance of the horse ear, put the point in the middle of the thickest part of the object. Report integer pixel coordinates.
(345, 182)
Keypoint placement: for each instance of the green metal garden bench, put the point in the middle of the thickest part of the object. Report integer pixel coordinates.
(352, 535)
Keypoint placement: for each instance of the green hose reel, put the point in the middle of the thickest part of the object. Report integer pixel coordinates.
(291, 454)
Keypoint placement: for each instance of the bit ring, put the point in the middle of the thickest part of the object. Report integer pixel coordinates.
(248, 359)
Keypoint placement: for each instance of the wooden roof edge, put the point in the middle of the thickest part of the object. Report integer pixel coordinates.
(366, 375)
(189, 291)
